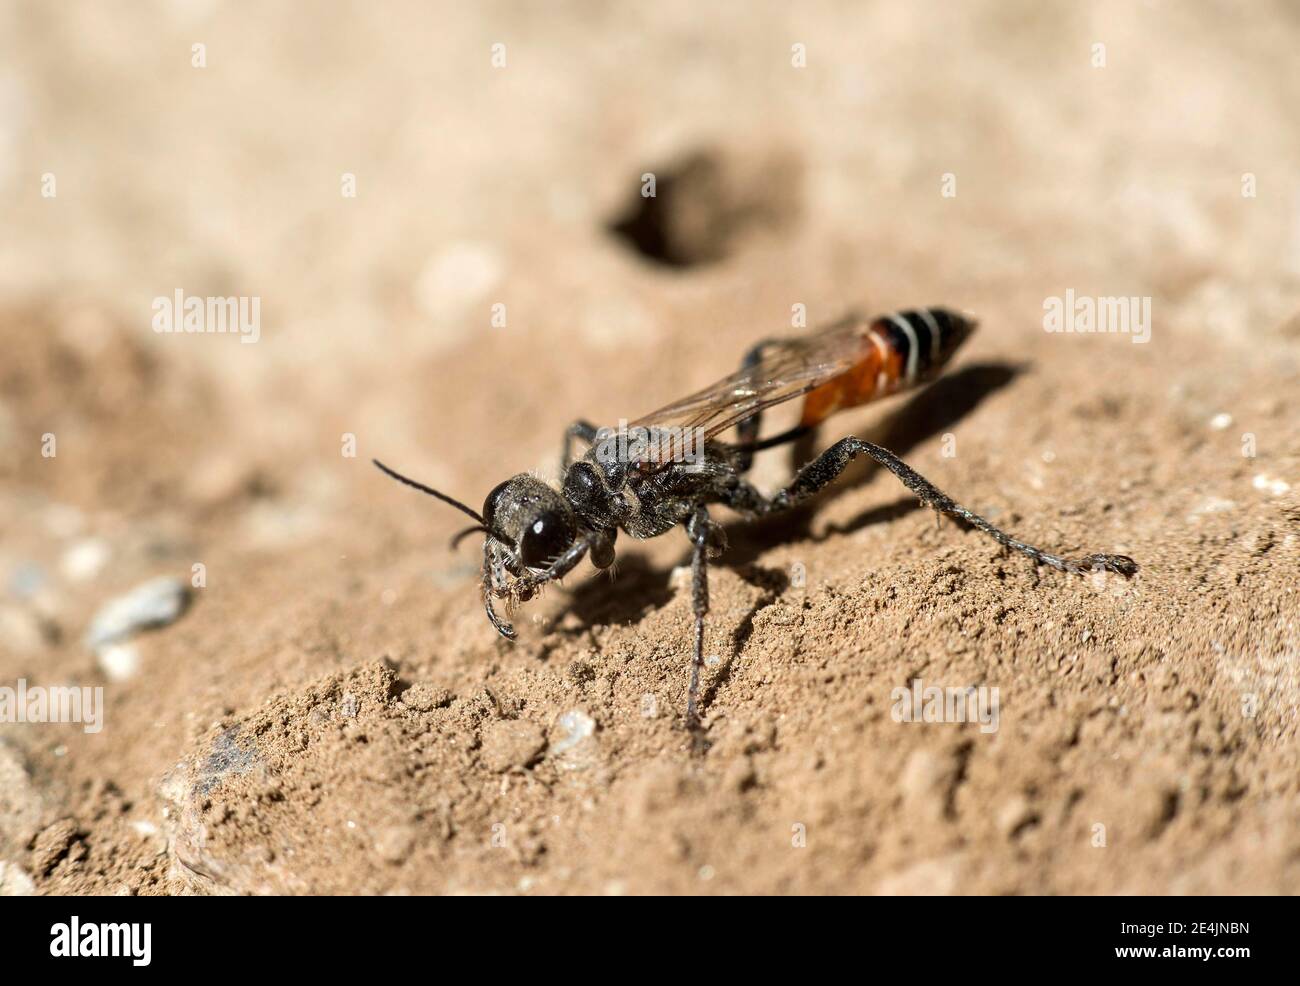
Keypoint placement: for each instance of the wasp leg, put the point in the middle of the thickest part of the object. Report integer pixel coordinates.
(583, 431)
(747, 429)
(524, 587)
(494, 585)
(826, 467)
(708, 540)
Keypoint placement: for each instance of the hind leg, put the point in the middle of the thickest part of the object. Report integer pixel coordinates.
(747, 430)
(826, 467)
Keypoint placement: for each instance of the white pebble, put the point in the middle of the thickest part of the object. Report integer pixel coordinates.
(1221, 421)
(84, 560)
(119, 662)
(577, 726)
(1268, 484)
(153, 604)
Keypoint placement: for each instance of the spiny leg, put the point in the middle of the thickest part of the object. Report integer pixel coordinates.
(525, 586)
(705, 537)
(826, 467)
(494, 585)
(582, 430)
(747, 430)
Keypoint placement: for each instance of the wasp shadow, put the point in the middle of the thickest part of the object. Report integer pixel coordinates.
(637, 588)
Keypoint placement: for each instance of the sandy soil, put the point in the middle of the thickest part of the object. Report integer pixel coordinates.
(332, 713)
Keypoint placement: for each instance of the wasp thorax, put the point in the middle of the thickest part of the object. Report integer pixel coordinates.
(533, 517)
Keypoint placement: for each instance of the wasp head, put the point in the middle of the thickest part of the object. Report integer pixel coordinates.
(536, 520)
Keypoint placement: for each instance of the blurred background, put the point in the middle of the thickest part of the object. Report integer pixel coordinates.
(439, 209)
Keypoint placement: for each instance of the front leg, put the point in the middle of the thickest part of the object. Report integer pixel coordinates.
(495, 585)
(525, 586)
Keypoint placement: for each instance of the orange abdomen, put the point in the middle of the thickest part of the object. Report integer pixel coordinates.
(898, 351)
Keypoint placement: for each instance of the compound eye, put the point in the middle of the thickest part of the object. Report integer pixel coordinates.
(544, 540)
(490, 504)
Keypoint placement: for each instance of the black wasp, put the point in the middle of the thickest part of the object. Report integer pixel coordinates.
(666, 469)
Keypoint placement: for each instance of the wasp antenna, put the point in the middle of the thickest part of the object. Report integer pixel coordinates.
(461, 535)
(428, 489)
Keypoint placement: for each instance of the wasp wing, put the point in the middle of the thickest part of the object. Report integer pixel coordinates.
(786, 368)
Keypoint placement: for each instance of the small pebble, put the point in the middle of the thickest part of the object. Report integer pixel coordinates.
(119, 662)
(577, 726)
(1221, 421)
(84, 560)
(424, 697)
(511, 743)
(153, 604)
(14, 881)
(1268, 484)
